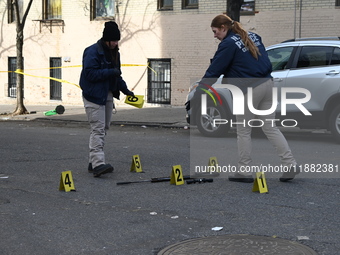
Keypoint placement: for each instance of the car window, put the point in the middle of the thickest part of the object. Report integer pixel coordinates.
(336, 57)
(314, 56)
(279, 57)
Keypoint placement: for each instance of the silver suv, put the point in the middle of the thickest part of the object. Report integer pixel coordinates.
(308, 63)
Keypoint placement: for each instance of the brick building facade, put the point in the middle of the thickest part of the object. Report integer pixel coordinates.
(172, 37)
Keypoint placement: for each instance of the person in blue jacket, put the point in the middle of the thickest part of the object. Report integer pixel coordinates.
(242, 58)
(101, 81)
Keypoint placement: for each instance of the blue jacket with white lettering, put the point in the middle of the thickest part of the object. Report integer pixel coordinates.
(235, 61)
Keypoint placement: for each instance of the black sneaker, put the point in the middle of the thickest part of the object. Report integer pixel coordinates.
(102, 169)
(241, 178)
(90, 169)
(288, 176)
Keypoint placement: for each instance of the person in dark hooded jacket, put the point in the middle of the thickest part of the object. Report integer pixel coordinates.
(242, 59)
(101, 81)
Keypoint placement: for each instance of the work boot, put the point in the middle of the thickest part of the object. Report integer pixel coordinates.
(102, 169)
(90, 169)
(288, 176)
(241, 178)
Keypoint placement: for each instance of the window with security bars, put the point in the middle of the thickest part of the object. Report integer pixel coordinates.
(102, 9)
(159, 81)
(12, 77)
(52, 9)
(189, 4)
(55, 72)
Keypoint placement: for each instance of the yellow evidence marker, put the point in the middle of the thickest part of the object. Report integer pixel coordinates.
(260, 183)
(136, 101)
(136, 165)
(176, 176)
(213, 163)
(66, 182)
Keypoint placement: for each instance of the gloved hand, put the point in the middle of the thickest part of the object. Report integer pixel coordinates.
(130, 93)
(187, 105)
(116, 72)
(194, 100)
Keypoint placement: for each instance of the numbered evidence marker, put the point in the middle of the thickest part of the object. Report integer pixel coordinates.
(136, 165)
(136, 101)
(260, 183)
(66, 181)
(214, 164)
(176, 176)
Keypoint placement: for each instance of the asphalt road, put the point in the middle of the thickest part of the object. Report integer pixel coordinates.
(104, 218)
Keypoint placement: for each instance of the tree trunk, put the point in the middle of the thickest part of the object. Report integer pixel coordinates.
(233, 9)
(20, 109)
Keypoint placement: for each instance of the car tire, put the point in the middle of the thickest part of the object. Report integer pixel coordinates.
(334, 123)
(205, 123)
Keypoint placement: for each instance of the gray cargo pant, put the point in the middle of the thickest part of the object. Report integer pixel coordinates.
(99, 117)
(262, 100)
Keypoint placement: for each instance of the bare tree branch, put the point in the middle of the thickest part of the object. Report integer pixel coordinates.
(26, 13)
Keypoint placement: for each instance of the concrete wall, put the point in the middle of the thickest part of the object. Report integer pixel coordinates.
(184, 36)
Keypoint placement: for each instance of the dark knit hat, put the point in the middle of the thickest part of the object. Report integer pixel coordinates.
(111, 31)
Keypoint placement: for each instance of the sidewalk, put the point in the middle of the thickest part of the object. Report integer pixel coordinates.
(173, 116)
(163, 116)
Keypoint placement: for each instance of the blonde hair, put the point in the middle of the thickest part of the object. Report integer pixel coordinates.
(237, 28)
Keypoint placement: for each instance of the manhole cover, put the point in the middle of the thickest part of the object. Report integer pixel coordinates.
(237, 245)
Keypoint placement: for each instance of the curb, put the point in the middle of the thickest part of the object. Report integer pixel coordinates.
(113, 123)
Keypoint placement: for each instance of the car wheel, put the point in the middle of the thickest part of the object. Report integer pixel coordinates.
(205, 123)
(334, 123)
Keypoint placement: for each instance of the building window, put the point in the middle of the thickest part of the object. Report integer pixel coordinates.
(102, 9)
(159, 81)
(55, 72)
(52, 9)
(11, 10)
(165, 5)
(189, 4)
(12, 77)
(337, 2)
(248, 7)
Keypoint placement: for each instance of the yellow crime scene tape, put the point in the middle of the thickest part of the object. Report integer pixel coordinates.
(51, 78)
(60, 80)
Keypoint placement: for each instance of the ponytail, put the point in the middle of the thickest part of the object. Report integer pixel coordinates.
(237, 28)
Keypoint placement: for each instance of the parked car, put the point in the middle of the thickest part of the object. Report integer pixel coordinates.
(309, 63)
